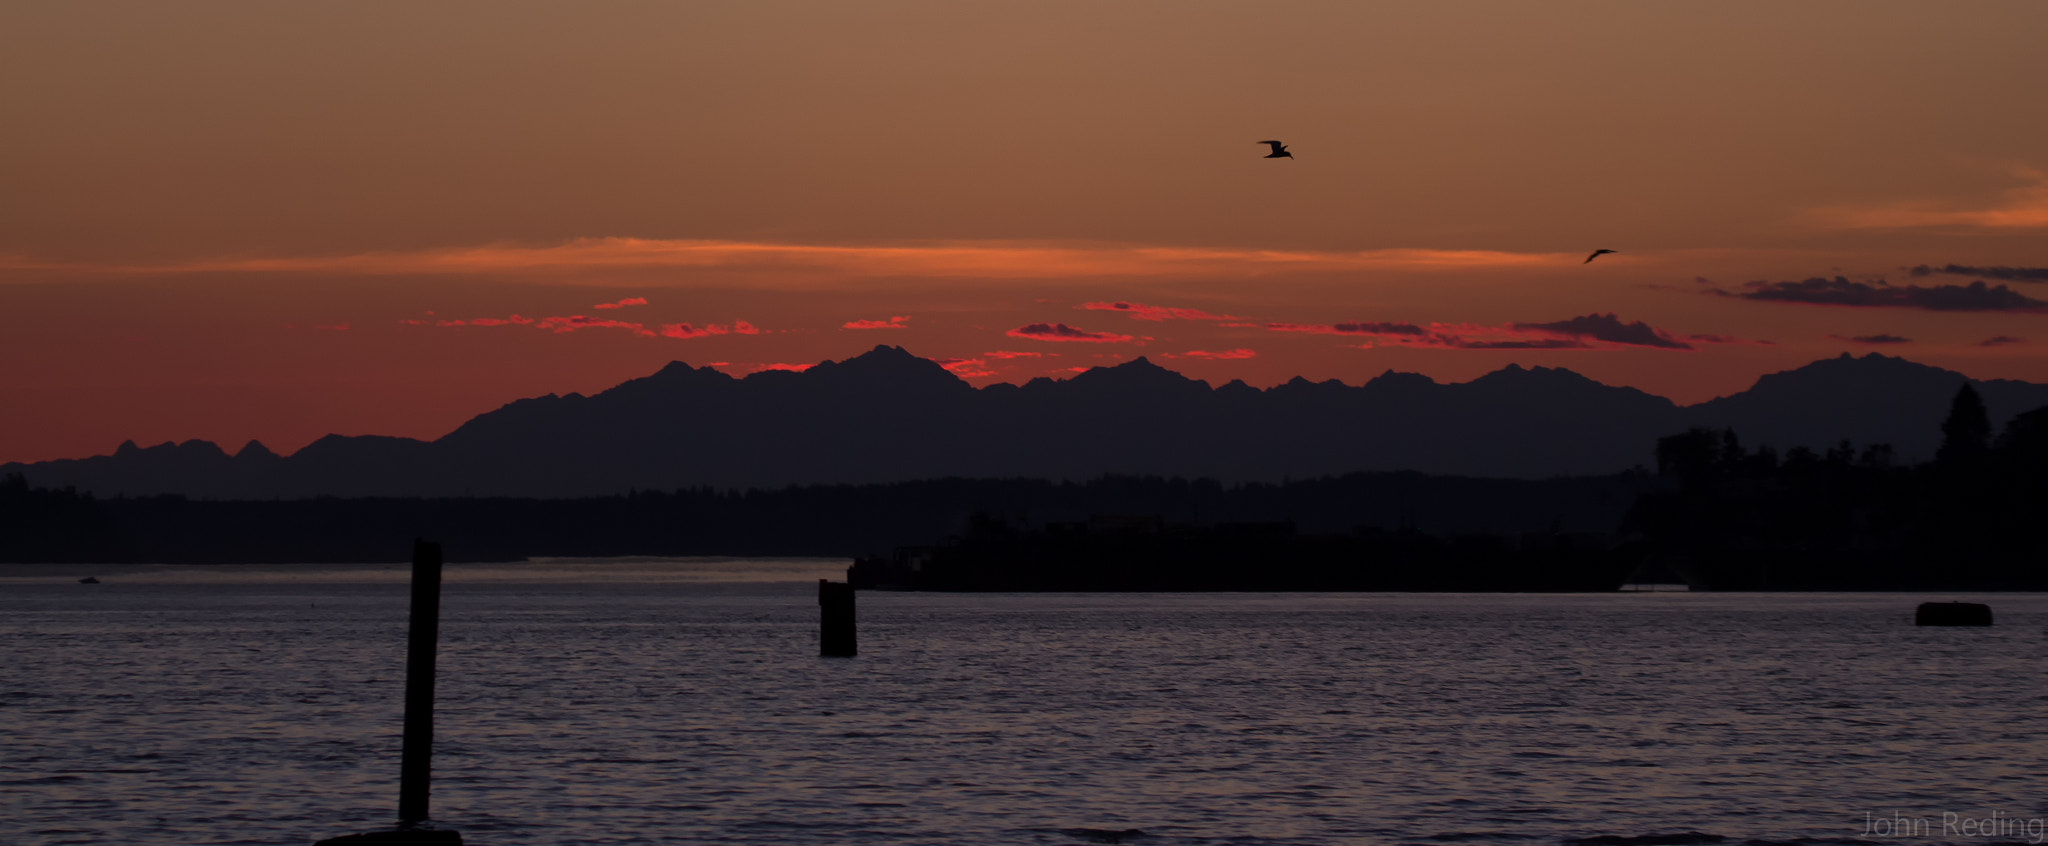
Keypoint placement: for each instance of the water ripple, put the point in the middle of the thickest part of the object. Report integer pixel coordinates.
(646, 711)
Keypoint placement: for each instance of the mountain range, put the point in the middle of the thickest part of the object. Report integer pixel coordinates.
(888, 415)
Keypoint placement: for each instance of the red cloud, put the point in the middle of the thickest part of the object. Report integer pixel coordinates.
(1224, 354)
(1009, 354)
(514, 320)
(629, 301)
(1063, 332)
(1724, 339)
(574, 322)
(1593, 331)
(568, 323)
(900, 321)
(966, 368)
(794, 368)
(1142, 311)
(1315, 328)
(686, 331)
(1610, 329)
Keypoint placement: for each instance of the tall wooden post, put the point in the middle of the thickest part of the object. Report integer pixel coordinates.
(836, 627)
(416, 753)
(416, 760)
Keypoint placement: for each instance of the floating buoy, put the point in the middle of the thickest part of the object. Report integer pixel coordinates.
(1952, 614)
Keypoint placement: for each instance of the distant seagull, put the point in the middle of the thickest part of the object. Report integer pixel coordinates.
(1279, 150)
(1597, 254)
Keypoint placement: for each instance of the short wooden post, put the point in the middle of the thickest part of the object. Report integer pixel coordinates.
(836, 637)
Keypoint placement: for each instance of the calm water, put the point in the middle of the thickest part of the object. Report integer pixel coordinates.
(683, 702)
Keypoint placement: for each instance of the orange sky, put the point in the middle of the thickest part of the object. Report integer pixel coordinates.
(235, 220)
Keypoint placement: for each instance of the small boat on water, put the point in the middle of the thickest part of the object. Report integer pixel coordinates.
(88, 580)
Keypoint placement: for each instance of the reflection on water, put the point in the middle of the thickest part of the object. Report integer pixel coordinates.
(651, 701)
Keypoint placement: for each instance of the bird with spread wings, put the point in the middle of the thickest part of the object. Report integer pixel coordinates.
(1279, 150)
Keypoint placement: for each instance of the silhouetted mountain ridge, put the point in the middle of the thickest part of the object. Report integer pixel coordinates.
(887, 416)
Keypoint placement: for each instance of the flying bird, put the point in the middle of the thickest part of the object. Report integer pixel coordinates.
(1279, 150)
(1597, 254)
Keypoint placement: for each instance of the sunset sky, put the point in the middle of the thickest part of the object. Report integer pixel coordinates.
(236, 220)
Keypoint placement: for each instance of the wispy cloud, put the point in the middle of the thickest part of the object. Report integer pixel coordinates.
(686, 330)
(2000, 340)
(1063, 332)
(2013, 274)
(763, 368)
(1355, 328)
(584, 258)
(1877, 293)
(1006, 354)
(514, 320)
(966, 368)
(1725, 339)
(629, 301)
(1874, 340)
(574, 322)
(901, 321)
(2022, 207)
(1610, 329)
(1142, 311)
(1592, 331)
(558, 325)
(577, 322)
(1239, 353)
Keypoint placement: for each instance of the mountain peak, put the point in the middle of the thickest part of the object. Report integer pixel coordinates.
(1137, 371)
(1517, 373)
(196, 447)
(1873, 368)
(672, 376)
(883, 358)
(884, 369)
(254, 449)
(885, 352)
(1393, 379)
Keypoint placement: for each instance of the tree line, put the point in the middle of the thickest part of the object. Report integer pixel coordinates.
(1715, 512)
(1753, 519)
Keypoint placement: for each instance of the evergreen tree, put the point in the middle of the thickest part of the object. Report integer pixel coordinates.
(1966, 434)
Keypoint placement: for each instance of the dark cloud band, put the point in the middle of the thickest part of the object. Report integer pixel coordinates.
(1840, 291)
(2013, 274)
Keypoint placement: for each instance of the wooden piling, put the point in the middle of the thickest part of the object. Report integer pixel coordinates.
(836, 634)
(416, 760)
(416, 753)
